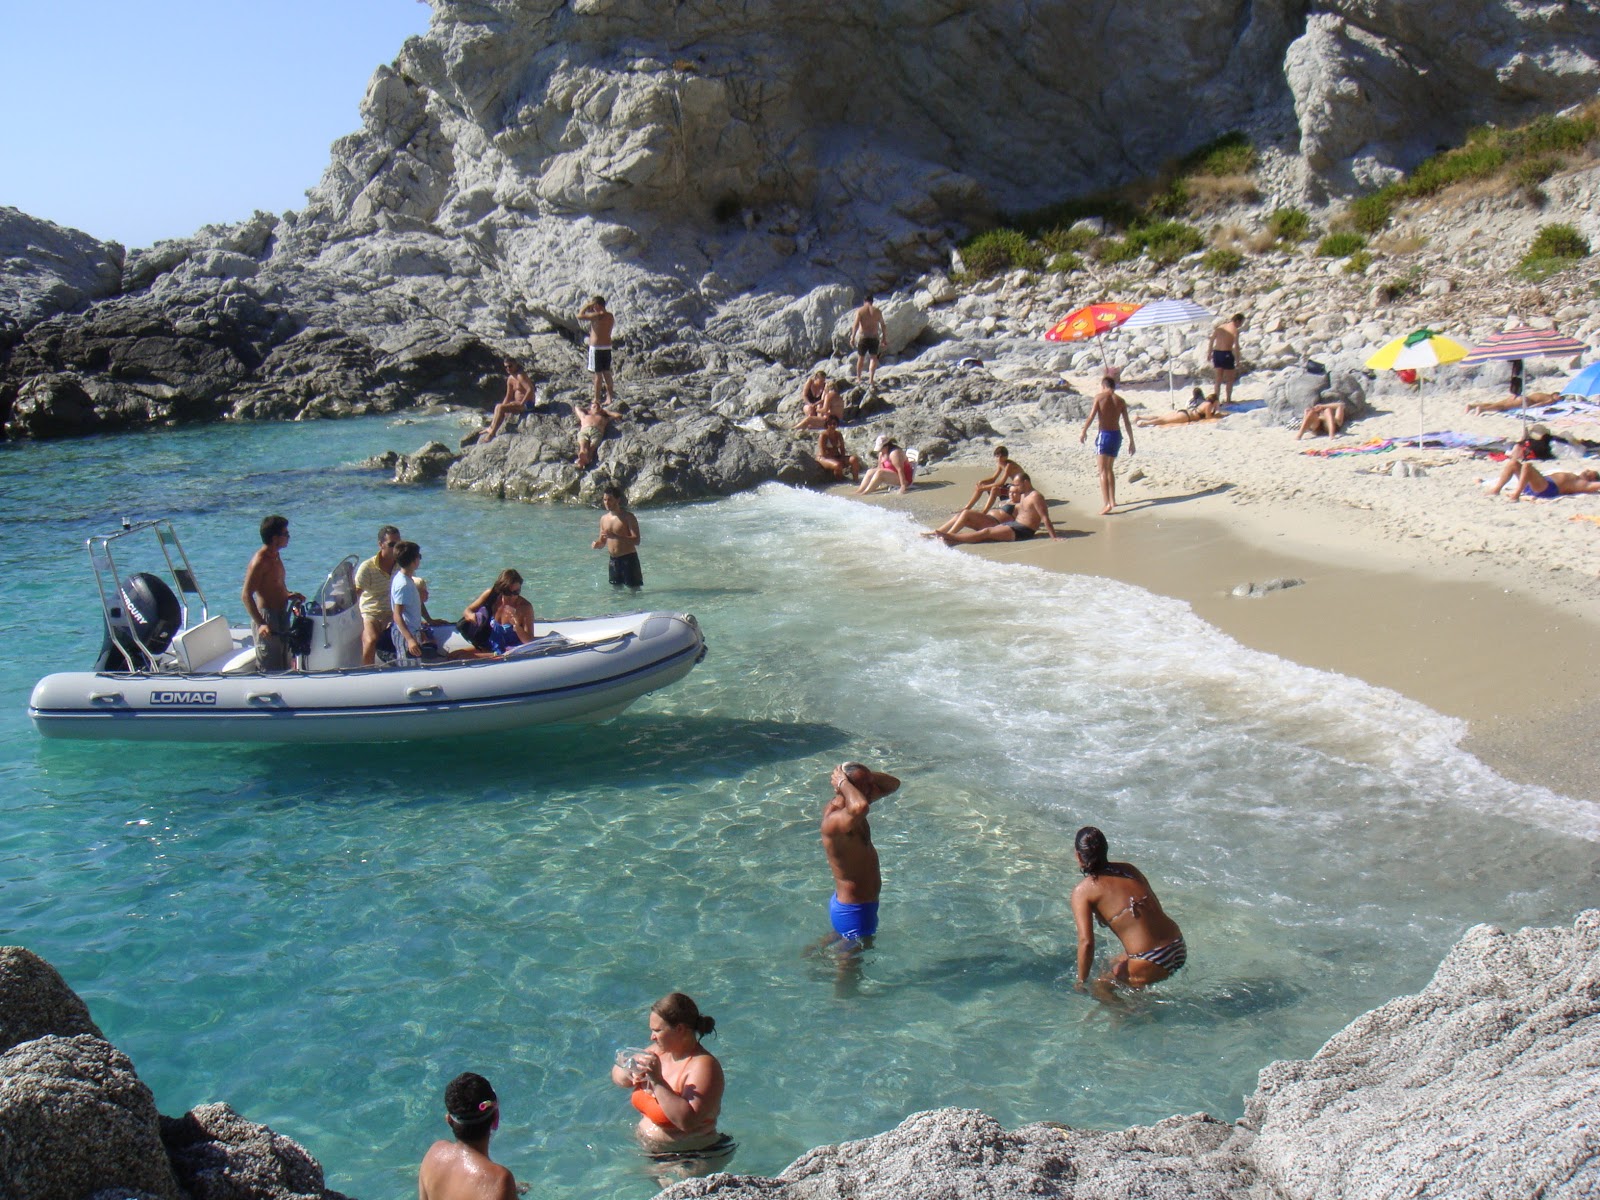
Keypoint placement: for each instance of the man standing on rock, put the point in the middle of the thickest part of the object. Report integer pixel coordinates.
(592, 425)
(847, 841)
(1225, 356)
(373, 578)
(1112, 412)
(600, 324)
(619, 533)
(266, 596)
(462, 1169)
(866, 335)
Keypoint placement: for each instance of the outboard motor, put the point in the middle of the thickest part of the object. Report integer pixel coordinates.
(300, 628)
(150, 614)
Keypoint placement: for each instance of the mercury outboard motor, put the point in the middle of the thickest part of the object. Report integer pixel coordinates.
(150, 614)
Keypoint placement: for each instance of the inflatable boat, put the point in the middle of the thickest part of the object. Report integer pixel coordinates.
(169, 670)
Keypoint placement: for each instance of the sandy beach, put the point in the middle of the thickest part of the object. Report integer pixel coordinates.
(1474, 606)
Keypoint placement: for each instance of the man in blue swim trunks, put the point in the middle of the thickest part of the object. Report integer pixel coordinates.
(1111, 410)
(847, 839)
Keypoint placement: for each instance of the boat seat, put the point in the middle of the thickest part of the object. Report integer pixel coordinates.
(198, 648)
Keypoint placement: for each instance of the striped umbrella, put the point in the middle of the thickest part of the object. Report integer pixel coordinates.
(1423, 348)
(1514, 345)
(1169, 313)
(1090, 321)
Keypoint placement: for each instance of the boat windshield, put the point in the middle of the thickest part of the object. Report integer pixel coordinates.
(338, 591)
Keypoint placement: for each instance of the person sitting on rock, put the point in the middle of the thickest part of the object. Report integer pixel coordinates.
(833, 455)
(1329, 415)
(592, 425)
(1200, 409)
(519, 399)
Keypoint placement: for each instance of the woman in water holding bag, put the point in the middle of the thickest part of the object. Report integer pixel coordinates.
(677, 1088)
(1119, 896)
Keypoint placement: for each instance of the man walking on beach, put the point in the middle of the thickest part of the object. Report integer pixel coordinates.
(619, 533)
(266, 596)
(600, 324)
(1111, 410)
(462, 1169)
(1225, 356)
(847, 841)
(866, 335)
(373, 578)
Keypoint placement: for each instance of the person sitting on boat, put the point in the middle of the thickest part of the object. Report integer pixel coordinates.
(413, 634)
(1118, 896)
(499, 618)
(267, 597)
(373, 578)
(677, 1086)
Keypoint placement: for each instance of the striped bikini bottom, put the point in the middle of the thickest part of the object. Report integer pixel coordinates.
(1172, 956)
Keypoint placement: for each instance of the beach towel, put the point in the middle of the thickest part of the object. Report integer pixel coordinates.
(1243, 406)
(1595, 517)
(1375, 446)
(1567, 406)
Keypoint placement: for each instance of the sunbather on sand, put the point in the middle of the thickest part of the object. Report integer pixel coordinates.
(1200, 409)
(1548, 487)
(1507, 403)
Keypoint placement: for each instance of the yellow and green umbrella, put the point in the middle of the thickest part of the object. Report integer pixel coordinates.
(1423, 348)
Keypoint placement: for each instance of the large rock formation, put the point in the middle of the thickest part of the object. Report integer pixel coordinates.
(76, 1123)
(730, 176)
(1483, 1086)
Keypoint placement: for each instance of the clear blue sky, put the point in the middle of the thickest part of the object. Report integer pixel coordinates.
(136, 121)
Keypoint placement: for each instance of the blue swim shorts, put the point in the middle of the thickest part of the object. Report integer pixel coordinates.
(1108, 442)
(854, 921)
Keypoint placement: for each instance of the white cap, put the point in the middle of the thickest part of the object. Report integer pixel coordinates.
(883, 440)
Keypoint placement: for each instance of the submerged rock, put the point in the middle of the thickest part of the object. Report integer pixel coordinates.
(1254, 591)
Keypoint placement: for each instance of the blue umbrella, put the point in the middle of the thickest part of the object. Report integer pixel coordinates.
(1585, 383)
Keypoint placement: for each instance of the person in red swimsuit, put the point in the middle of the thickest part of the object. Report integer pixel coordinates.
(677, 1087)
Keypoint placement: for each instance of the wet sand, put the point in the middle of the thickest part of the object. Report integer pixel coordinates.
(1474, 640)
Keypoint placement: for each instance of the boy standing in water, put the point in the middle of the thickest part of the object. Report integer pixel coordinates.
(619, 533)
(1111, 410)
(462, 1170)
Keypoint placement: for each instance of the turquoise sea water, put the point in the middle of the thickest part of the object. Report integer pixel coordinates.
(324, 936)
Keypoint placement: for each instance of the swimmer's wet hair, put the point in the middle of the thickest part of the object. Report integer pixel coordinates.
(470, 1105)
(678, 1009)
(1091, 847)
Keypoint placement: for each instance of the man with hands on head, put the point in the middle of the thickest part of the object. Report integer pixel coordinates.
(847, 841)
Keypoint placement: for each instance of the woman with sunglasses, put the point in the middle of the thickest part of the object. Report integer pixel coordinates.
(499, 618)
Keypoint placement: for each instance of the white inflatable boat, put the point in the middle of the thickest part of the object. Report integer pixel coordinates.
(170, 671)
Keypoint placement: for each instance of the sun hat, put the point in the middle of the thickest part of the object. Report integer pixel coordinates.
(1538, 431)
(883, 440)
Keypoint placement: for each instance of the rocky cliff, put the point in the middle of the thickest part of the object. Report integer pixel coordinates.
(730, 176)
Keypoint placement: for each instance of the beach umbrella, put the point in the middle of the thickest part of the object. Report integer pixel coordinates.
(1515, 345)
(1090, 321)
(1414, 351)
(1169, 313)
(1585, 383)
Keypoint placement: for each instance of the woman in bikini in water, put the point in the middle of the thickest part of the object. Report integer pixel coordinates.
(677, 1087)
(1121, 898)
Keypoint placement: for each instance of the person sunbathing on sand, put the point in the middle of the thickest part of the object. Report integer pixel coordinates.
(1507, 403)
(1330, 415)
(1118, 896)
(1549, 487)
(1200, 409)
(1029, 511)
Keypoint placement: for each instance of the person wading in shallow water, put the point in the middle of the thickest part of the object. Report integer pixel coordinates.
(462, 1170)
(1118, 896)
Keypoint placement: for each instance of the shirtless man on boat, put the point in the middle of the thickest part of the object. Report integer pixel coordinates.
(266, 596)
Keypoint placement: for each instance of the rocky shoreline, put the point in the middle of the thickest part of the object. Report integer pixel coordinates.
(1480, 1087)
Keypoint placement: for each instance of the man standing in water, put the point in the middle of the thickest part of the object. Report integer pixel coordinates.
(462, 1169)
(619, 533)
(1225, 356)
(600, 324)
(266, 596)
(866, 335)
(847, 840)
(1111, 410)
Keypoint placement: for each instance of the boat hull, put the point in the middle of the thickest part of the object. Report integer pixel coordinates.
(615, 661)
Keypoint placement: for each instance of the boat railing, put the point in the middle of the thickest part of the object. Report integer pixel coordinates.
(103, 561)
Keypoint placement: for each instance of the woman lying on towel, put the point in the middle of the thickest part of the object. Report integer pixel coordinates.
(1200, 409)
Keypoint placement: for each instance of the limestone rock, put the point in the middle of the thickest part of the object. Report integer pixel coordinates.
(47, 269)
(36, 1001)
(74, 1119)
(218, 1155)
(431, 462)
(1483, 1085)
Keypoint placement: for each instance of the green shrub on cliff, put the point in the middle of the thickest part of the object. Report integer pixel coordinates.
(1000, 250)
(1341, 245)
(1289, 225)
(1555, 248)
